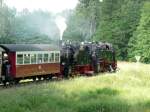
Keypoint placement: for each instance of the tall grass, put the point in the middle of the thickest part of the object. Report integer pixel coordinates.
(128, 90)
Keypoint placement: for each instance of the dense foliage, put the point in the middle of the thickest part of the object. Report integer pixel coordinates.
(119, 22)
(6, 18)
(124, 23)
(140, 43)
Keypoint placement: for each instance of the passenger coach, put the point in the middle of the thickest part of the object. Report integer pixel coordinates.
(28, 61)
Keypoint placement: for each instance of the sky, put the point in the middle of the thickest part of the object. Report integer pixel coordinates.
(54, 6)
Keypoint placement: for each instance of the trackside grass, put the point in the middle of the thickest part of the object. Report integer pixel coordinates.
(128, 90)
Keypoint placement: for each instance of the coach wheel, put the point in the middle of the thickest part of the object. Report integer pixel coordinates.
(50, 77)
(39, 78)
(34, 78)
(45, 77)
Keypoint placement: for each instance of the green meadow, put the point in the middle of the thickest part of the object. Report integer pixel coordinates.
(127, 90)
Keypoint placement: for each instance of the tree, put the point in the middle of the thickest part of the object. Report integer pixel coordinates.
(84, 20)
(6, 18)
(140, 43)
(118, 22)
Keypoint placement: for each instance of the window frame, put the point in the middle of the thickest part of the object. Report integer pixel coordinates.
(57, 61)
(17, 59)
(33, 58)
(36, 53)
(28, 56)
(50, 54)
(37, 61)
(44, 58)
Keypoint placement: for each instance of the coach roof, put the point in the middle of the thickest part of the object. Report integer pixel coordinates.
(28, 47)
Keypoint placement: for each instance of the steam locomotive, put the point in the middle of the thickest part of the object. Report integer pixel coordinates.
(38, 61)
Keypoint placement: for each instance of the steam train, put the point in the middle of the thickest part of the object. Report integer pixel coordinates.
(38, 61)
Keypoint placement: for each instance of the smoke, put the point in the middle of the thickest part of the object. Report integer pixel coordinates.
(36, 24)
(40, 19)
(61, 24)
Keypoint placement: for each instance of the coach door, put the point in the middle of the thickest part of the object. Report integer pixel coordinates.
(0, 63)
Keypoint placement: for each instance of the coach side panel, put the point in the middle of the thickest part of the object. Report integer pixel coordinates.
(37, 69)
(37, 63)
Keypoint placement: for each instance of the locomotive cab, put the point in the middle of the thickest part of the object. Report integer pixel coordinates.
(107, 59)
(83, 60)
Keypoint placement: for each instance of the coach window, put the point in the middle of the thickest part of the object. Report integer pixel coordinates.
(45, 58)
(40, 57)
(51, 57)
(26, 58)
(33, 58)
(19, 59)
(56, 57)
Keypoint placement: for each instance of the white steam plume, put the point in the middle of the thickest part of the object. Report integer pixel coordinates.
(61, 24)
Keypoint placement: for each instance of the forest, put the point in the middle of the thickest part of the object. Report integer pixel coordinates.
(124, 23)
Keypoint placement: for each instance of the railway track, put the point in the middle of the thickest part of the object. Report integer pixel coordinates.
(28, 83)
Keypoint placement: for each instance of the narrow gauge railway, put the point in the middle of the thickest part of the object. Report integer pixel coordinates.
(27, 82)
(38, 61)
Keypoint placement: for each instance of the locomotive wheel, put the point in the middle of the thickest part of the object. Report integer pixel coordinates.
(17, 81)
(99, 68)
(70, 71)
(4, 83)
